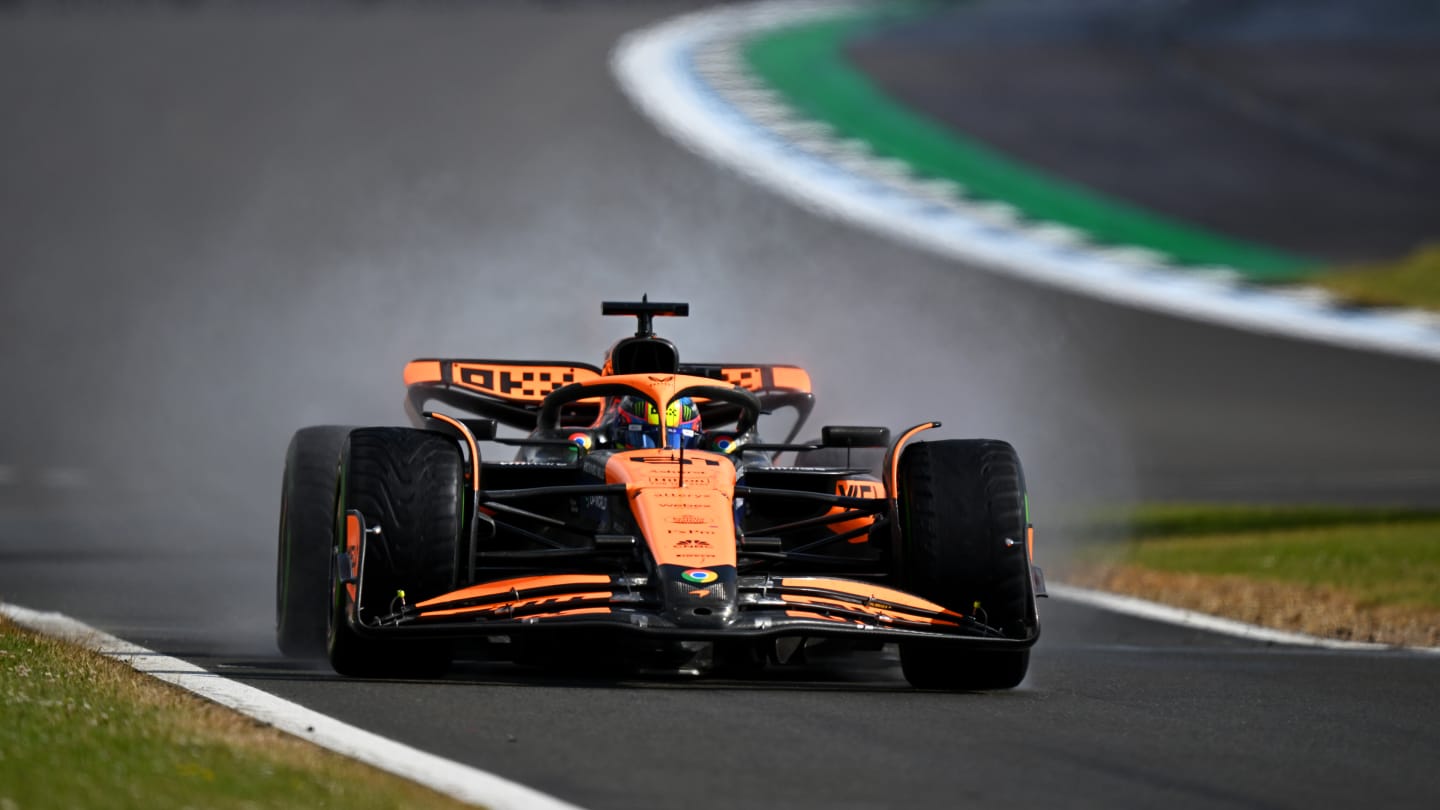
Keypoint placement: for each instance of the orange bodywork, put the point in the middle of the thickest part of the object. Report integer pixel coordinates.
(781, 378)
(522, 380)
(884, 606)
(423, 371)
(791, 378)
(659, 388)
(474, 475)
(892, 475)
(352, 547)
(687, 521)
(855, 488)
(683, 504)
(516, 382)
(521, 590)
(518, 585)
(882, 616)
(743, 377)
(519, 604)
(879, 600)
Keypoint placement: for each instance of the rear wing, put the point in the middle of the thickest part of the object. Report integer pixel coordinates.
(753, 377)
(519, 382)
(511, 391)
(776, 387)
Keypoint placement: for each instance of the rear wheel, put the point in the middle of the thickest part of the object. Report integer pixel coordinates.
(409, 484)
(963, 533)
(307, 537)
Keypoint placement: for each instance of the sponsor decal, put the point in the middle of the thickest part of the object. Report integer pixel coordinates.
(673, 460)
(699, 576)
(859, 489)
(522, 382)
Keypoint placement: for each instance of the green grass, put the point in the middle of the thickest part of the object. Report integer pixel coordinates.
(1378, 557)
(1157, 521)
(1411, 282)
(807, 66)
(80, 730)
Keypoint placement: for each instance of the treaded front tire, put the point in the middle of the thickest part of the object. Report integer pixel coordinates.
(409, 483)
(306, 539)
(961, 501)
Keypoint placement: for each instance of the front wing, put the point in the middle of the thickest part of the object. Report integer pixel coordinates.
(767, 606)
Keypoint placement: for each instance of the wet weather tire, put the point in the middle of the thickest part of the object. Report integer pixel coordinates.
(963, 532)
(307, 539)
(409, 484)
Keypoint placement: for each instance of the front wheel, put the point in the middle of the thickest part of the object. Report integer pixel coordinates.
(408, 484)
(307, 537)
(963, 544)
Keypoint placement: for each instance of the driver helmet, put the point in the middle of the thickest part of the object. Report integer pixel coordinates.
(638, 424)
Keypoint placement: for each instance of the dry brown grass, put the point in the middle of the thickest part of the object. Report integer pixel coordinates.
(1317, 610)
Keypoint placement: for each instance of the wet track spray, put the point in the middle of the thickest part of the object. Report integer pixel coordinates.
(220, 222)
(223, 225)
(225, 221)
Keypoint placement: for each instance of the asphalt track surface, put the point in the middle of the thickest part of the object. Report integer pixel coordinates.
(223, 222)
(1305, 125)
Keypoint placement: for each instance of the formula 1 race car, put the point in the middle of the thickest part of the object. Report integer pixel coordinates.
(643, 513)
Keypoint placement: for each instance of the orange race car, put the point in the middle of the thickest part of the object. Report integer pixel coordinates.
(644, 516)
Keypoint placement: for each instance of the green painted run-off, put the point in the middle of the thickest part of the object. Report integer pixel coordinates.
(806, 65)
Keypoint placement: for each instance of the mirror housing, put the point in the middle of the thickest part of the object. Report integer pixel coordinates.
(482, 429)
(854, 436)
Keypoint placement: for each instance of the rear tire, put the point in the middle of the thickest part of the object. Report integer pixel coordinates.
(961, 500)
(307, 537)
(410, 484)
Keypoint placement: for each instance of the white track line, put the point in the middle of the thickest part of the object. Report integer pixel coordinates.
(1154, 611)
(437, 773)
(682, 74)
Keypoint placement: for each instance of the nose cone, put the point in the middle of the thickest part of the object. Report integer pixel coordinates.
(699, 597)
